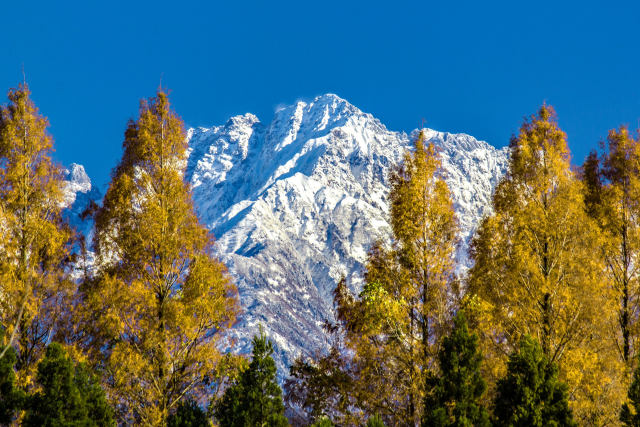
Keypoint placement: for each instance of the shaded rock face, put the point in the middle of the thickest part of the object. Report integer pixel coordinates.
(296, 204)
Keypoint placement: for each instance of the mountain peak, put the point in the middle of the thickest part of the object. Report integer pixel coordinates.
(76, 181)
(295, 205)
(334, 104)
(246, 119)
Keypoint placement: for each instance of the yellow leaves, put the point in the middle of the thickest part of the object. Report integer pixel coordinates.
(209, 293)
(406, 302)
(132, 366)
(538, 267)
(164, 299)
(384, 312)
(34, 253)
(598, 385)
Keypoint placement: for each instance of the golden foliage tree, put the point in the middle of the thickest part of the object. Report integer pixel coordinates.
(405, 306)
(612, 188)
(34, 253)
(538, 271)
(159, 299)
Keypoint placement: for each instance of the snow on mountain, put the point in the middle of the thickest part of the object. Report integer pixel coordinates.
(296, 204)
(78, 195)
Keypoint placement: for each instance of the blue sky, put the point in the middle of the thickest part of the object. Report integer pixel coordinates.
(473, 67)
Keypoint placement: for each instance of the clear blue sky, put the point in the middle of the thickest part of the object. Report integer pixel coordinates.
(476, 67)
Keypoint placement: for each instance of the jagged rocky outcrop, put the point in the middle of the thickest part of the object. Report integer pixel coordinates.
(296, 203)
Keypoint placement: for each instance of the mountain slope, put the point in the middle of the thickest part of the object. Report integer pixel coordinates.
(295, 205)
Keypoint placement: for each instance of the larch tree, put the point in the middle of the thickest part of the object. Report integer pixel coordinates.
(612, 194)
(35, 261)
(385, 340)
(538, 271)
(395, 325)
(158, 300)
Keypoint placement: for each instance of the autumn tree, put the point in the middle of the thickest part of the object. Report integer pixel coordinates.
(531, 394)
(405, 306)
(538, 271)
(159, 300)
(255, 399)
(393, 328)
(612, 195)
(454, 395)
(322, 387)
(35, 251)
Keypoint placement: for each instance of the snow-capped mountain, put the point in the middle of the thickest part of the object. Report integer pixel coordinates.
(295, 205)
(79, 194)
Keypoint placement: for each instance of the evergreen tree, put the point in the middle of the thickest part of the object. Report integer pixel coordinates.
(255, 399)
(531, 394)
(229, 411)
(159, 300)
(99, 410)
(34, 255)
(69, 395)
(188, 414)
(538, 271)
(11, 397)
(454, 396)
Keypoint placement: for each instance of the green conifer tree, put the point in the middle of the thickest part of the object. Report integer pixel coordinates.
(99, 410)
(531, 394)
(11, 397)
(69, 394)
(453, 397)
(255, 399)
(188, 414)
